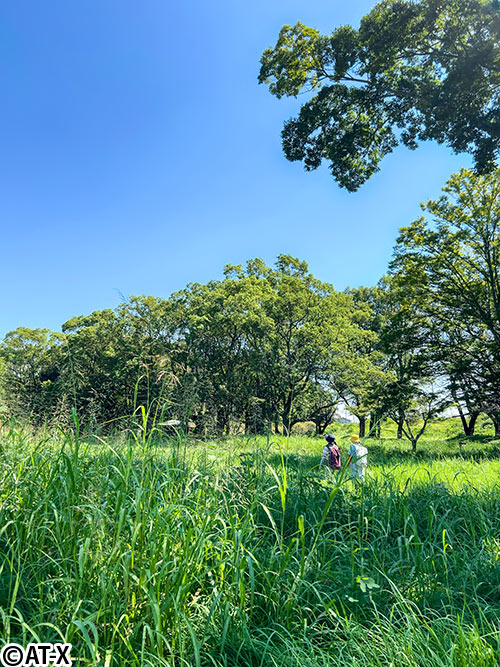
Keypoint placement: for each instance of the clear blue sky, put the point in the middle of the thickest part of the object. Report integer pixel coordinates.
(138, 153)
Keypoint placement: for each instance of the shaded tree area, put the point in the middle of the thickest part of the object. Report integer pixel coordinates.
(266, 347)
(446, 265)
(252, 351)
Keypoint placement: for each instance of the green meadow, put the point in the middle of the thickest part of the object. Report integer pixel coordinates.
(149, 550)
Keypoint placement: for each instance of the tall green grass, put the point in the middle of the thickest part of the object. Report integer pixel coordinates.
(177, 553)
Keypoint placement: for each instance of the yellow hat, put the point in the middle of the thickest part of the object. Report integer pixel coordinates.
(354, 438)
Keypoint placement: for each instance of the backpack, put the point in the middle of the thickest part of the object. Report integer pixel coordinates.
(334, 457)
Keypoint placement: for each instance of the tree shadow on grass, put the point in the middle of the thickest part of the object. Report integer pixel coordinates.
(474, 449)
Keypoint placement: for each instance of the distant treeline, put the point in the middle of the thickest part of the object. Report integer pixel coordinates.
(265, 348)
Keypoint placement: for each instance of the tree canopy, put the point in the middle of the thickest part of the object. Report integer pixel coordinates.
(414, 70)
(265, 347)
(448, 267)
(259, 347)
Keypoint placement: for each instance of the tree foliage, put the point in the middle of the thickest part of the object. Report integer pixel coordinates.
(257, 348)
(266, 347)
(448, 266)
(413, 71)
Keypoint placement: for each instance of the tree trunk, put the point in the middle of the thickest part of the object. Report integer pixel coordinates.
(400, 427)
(495, 418)
(287, 408)
(371, 425)
(362, 426)
(374, 428)
(222, 421)
(414, 445)
(276, 426)
(468, 427)
(321, 427)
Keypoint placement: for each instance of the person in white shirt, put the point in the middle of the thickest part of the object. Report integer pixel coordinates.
(358, 459)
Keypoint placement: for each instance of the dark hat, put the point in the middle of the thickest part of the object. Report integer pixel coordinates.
(329, 437)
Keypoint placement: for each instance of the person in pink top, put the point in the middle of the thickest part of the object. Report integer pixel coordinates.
(331, 455)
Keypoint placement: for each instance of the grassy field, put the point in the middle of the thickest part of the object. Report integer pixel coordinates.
(240, 552)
